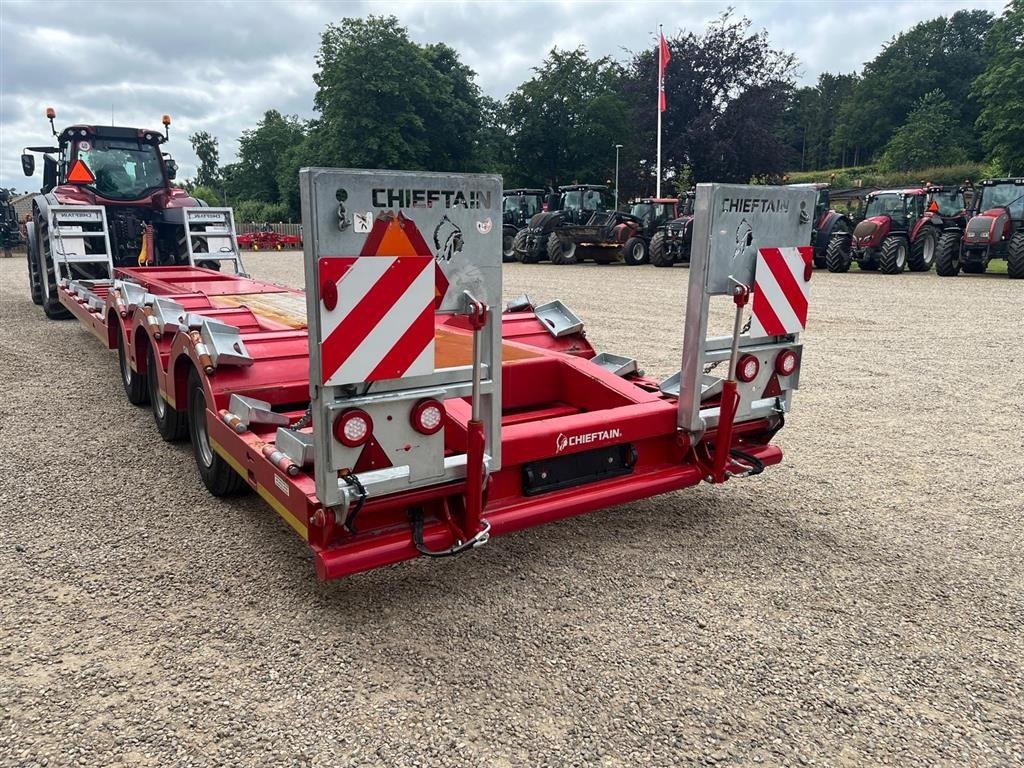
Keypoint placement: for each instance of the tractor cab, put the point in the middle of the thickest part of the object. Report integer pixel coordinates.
(580, 201)
(1004, 194)
(949, 203)
(654, 212)
(518, 206)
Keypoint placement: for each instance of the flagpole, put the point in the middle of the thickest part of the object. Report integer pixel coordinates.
(659, 80)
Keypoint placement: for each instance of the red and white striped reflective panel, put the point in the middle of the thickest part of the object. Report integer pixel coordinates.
(781, 287)
(376, 318)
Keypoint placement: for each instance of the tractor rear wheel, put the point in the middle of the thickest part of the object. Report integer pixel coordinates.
(947, 254)
(657, 255)
(561, 252)
(837, 254)
(35, 287)
(892, 256)
(519, 249)
(634, 252)
(922, 251)
(1015, 256)
(135, 385)
(171, 423)
(217, 475)
(52, 307)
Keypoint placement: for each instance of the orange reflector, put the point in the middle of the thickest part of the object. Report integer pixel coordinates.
(80, 173)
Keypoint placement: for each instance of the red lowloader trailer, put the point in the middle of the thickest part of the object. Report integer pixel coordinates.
(389, 411)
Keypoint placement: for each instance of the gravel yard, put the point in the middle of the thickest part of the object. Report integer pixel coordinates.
(862, 604)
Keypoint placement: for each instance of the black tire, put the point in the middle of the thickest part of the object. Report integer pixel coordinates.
(136, 388)
(559, 253)
(819, 261)
(508, 252)
(657, 254)
(171, 423)
(947, 254)
(837, 254)
(52, 307)
(975, 267)
(634, 252)
(922, 250)
(217, 475)
(35, 287)
(1015, 256)
(892, 257)
(522, 254)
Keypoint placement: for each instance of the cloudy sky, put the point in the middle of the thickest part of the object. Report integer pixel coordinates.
(217, 66)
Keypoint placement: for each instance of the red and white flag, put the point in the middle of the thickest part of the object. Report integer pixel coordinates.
(663, 57)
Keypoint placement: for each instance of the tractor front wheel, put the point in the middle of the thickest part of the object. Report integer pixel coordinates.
(892, 256)
(508, 251)
(922, 252)
(837, 254)
(52, 307)
(947, 254)
(1015, 256)
(561, 252)
(520, 250)
(634, 252)
(657, 253)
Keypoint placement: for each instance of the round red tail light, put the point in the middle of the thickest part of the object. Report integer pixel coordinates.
(747, 368)
(353, 427)
(785, 363)
(427, 416)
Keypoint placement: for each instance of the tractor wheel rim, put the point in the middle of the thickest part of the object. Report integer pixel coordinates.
(197, 415)
(901, 256)
(638, 252)
(929, 250)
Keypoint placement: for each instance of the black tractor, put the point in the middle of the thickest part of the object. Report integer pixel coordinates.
(10, 229)
(575, 204)
(897, 231)
(611, 236)
(670, 245)
(518, 206)
(827, 222)
(995, 231)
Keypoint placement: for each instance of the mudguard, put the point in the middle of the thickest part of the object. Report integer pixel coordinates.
(827, 227)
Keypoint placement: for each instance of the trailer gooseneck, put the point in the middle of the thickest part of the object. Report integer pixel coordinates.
(390, 411)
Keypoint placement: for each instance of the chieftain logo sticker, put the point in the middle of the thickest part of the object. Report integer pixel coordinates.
(563, 441)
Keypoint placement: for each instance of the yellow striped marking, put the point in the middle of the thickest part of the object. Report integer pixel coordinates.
(267, 496)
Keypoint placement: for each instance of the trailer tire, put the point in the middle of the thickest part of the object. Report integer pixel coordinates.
(837, 255)
(1015, 256)
(947, 254)
(634, 252)
(892, 256)
(217, 475)
(136, 388)
(922, 250)
(171, 423)
(559, 253)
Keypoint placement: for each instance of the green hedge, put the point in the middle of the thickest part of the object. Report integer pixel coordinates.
(872, 176)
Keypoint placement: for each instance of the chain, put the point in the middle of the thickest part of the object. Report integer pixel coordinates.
(304, 420)
(711, 366)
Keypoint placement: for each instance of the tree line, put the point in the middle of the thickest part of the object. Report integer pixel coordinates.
(946, 91)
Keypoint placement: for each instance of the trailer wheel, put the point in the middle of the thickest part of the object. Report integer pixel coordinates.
(217, 475)
(892, 257)
(171, 423)
(947, 254)
(1015, 256)
(634, 252)
(922, 252)
(837, 254)
(560, 252)
(135, 385)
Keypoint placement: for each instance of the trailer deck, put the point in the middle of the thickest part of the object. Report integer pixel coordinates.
(568, 433)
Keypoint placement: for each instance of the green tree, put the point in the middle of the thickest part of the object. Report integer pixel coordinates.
(205, 147)
(386, 102)
(260, 150)
(943, 53)
(1000, 91)
(566, 120)
(932, 135)
(811, 119)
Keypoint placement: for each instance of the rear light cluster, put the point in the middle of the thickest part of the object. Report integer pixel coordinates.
(749, 366)
(354, 427)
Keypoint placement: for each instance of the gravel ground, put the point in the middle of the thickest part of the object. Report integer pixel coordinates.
(862, 604)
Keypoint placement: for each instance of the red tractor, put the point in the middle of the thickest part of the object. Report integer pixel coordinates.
(996, 231)
(898, 231)
(107, 201)
(670, 245)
